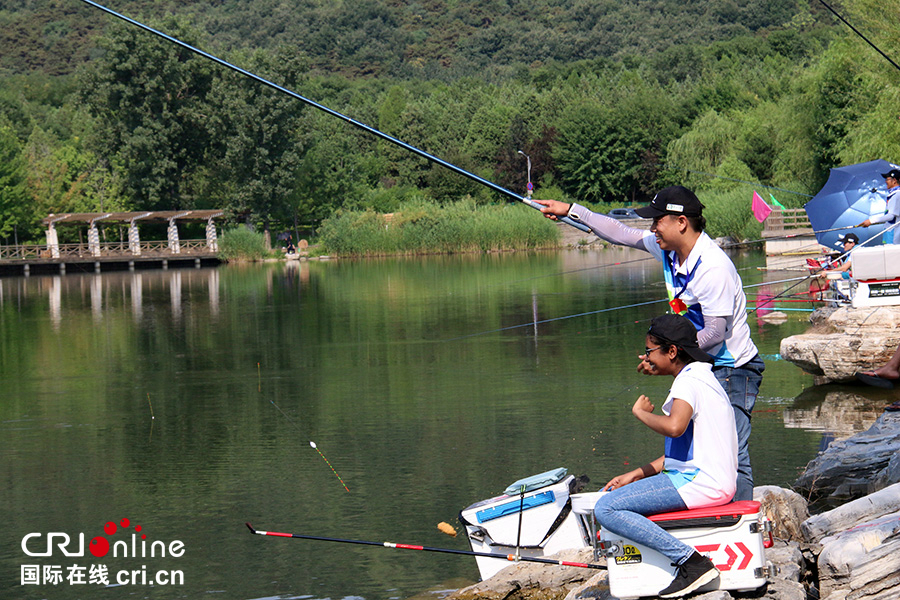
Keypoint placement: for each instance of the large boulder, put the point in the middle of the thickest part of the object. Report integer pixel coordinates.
(863, 562)
(852, 515)
(846, 341)
(856, 466)
(533, 581)
(785, 508)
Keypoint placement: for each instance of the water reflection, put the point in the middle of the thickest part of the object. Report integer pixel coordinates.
(111, 291)
(839, 411)
(376, 361)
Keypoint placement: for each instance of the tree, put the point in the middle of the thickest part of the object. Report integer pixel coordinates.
(254, 135)
(151, 101)
(15, 210)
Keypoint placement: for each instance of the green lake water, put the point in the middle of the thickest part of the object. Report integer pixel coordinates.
(186, 401)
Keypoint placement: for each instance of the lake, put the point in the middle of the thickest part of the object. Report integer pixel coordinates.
(158, 411)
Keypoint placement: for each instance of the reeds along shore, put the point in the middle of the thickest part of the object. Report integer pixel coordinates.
(433, 229)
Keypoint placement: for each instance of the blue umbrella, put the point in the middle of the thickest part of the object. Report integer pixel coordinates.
(851, 195)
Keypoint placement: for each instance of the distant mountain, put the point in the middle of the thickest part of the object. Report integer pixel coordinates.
(405, 38)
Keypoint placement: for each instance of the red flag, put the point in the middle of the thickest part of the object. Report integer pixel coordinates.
(760, 209)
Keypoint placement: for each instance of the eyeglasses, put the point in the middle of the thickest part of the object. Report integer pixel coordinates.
(647, 351)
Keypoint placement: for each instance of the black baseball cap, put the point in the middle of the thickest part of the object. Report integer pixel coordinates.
(850, 237)
(678, 330)
(895, 173)
(675, 200)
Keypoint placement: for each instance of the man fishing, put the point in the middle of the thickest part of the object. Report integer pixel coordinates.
(703, 285)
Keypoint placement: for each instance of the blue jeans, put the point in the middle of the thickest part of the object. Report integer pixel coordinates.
(741, 384)
(622, 512)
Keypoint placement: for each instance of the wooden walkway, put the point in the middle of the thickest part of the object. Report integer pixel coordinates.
(790, 239)
(115, 256)
(127, 254)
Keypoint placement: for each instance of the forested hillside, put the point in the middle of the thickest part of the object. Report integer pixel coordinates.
(431, 38)
(609, 100)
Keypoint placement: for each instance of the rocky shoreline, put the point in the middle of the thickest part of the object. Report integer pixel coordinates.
(850, 552)
(843, 341)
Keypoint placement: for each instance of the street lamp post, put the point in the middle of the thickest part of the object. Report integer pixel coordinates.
(529, 187)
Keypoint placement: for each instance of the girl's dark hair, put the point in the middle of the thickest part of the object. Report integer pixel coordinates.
(665, 344)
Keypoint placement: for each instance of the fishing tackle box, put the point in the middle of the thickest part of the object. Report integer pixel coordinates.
(733, 536)
(536, 512)
(876, 276)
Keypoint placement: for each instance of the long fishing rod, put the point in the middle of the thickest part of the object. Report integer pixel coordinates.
(752, 183)
(787, 236)
(334, 113)
(857, 32)
(509, 557)
(825, 268)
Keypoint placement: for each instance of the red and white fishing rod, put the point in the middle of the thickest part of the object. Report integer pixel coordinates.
(509, 557)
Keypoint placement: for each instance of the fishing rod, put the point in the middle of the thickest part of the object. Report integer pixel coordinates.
(857, 32)
(752, 183)
(825, 268)
(788, 236)
(509, 557)
(543, 321)
(524, 199)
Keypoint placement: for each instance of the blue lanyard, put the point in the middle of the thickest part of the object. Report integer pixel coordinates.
(687, 278)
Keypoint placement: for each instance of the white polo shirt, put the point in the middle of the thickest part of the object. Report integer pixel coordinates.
(708, 283)
(702, 462)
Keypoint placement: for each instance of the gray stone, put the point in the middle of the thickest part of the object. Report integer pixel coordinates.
(595, 588)
(852, 467)
(846, 341)
(533, 581)
(788, 559)
(890, 474)
(782, 589)
(862, 563)
(785, 508)
(853, 514)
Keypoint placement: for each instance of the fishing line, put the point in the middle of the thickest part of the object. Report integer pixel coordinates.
(751, 183)
(820, 269)
(458, 170)
(857, 32)
(312, 444)
(533, 323)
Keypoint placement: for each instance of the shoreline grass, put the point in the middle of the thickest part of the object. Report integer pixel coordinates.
(429, 228)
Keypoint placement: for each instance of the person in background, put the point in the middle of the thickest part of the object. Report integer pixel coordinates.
(703, 285)
(842, 265)
(699, 465)
(892, 215)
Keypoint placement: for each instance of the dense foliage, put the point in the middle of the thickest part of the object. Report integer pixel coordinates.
(608, 100)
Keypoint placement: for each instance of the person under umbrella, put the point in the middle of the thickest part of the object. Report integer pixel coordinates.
(892, 181)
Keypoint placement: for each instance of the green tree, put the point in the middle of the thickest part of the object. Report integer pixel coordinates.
(254, 135)
(16, 212)
(150, 98)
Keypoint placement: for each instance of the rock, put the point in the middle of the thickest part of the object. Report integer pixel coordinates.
(852, 514)
(533, 581)
(890, 474)
(862, 563)
(846, 341)
(595, 588)
(785, 508)
(782, 589)
(853, 467)
(788, 558)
